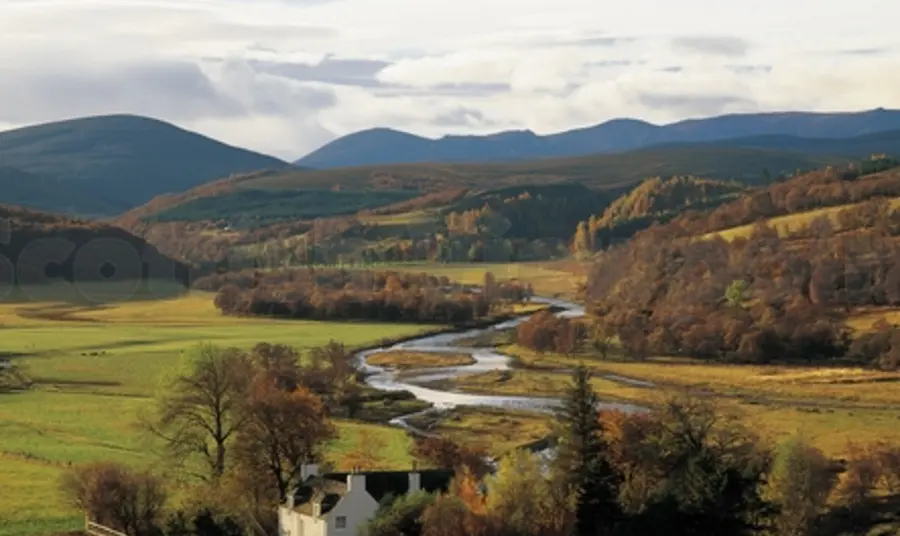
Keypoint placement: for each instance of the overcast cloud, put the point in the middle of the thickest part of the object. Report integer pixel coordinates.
(285, 76)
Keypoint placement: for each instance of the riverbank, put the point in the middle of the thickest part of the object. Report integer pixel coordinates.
(831, 406)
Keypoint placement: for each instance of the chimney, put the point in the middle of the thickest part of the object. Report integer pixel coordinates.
(290, 498)
(356, 481)
(415, 482)
(308, 470)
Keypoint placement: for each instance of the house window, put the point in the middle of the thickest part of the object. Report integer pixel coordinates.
(340, 522)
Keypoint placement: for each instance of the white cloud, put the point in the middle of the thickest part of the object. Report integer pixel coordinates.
(285, 76)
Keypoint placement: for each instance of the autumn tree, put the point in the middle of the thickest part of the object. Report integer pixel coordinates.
(112, 495)
(799, 484)
(869, 468)
(450, 516)
(283, 430)
(582, 458)
(444, 453)
(200, 413)
(691, 468)
(402, 517)
(367, 453)
(280, 362)
(526, 503)
(581, 243)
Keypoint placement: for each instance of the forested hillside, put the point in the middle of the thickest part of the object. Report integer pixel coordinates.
(674, 290)
(654, 200)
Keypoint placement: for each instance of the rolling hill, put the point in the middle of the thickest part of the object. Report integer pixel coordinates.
(237, 197)
(117, 162)
(386, 146)
(18, 187)
(45, 248)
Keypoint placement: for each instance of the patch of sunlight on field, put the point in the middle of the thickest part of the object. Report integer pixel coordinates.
(865, 320)
(546, 278)
(406, 218)
(789, 223)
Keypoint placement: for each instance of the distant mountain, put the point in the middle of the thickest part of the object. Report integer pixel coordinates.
(259, 196)
(887, 142)
(20, 188)
(384, 146)
(117, 162)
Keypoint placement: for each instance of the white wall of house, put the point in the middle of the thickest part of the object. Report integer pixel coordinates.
(356, 507)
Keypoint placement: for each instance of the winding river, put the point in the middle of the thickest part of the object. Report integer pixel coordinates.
(485, 359)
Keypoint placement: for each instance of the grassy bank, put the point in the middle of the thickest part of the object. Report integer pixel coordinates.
(831, 406)
(415, 360)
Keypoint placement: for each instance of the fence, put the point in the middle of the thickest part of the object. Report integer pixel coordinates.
(96, 529)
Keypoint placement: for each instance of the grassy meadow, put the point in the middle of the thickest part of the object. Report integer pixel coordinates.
(97, 368)
(831, 406)
(548, 278)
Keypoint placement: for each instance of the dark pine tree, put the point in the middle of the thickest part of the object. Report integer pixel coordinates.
(582, 458)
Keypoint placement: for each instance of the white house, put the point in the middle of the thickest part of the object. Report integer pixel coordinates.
(337, 504)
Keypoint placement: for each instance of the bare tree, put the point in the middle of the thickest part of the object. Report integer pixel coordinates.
(203, 409)
(112, 495)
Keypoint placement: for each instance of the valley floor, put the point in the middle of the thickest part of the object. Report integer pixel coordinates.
(97, 368)
(832, 407)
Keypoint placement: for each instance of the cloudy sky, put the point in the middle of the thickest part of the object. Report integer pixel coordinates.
(286, 76)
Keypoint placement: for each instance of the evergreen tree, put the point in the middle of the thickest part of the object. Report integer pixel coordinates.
(582, 458)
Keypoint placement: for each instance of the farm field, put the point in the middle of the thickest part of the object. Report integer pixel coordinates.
(97, 367)
(548, 278)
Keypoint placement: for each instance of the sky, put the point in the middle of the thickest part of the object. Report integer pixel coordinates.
(286, 76)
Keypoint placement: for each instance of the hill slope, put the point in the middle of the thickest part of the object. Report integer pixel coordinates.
(120, 161)
(887, 142)
(596, 172)
(46, 248)
(677, 289)
(20, 188)
(384, 146)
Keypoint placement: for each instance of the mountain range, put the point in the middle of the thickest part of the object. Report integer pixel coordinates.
(384, 146)
(103, 166)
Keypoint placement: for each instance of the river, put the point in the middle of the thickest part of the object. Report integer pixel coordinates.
(485, 359)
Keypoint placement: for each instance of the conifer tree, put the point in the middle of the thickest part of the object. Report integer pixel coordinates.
(582, 458)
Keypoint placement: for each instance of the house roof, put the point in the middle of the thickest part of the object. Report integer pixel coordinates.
(330, 487)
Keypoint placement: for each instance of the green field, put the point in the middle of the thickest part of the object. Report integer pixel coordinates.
(97, 368)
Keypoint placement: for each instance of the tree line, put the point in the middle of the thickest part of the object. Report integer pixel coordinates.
(356, 294)
(546, 332)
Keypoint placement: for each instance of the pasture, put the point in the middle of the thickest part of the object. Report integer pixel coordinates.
(97, 367)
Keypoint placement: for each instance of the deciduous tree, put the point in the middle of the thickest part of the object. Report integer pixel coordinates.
(203, 409)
